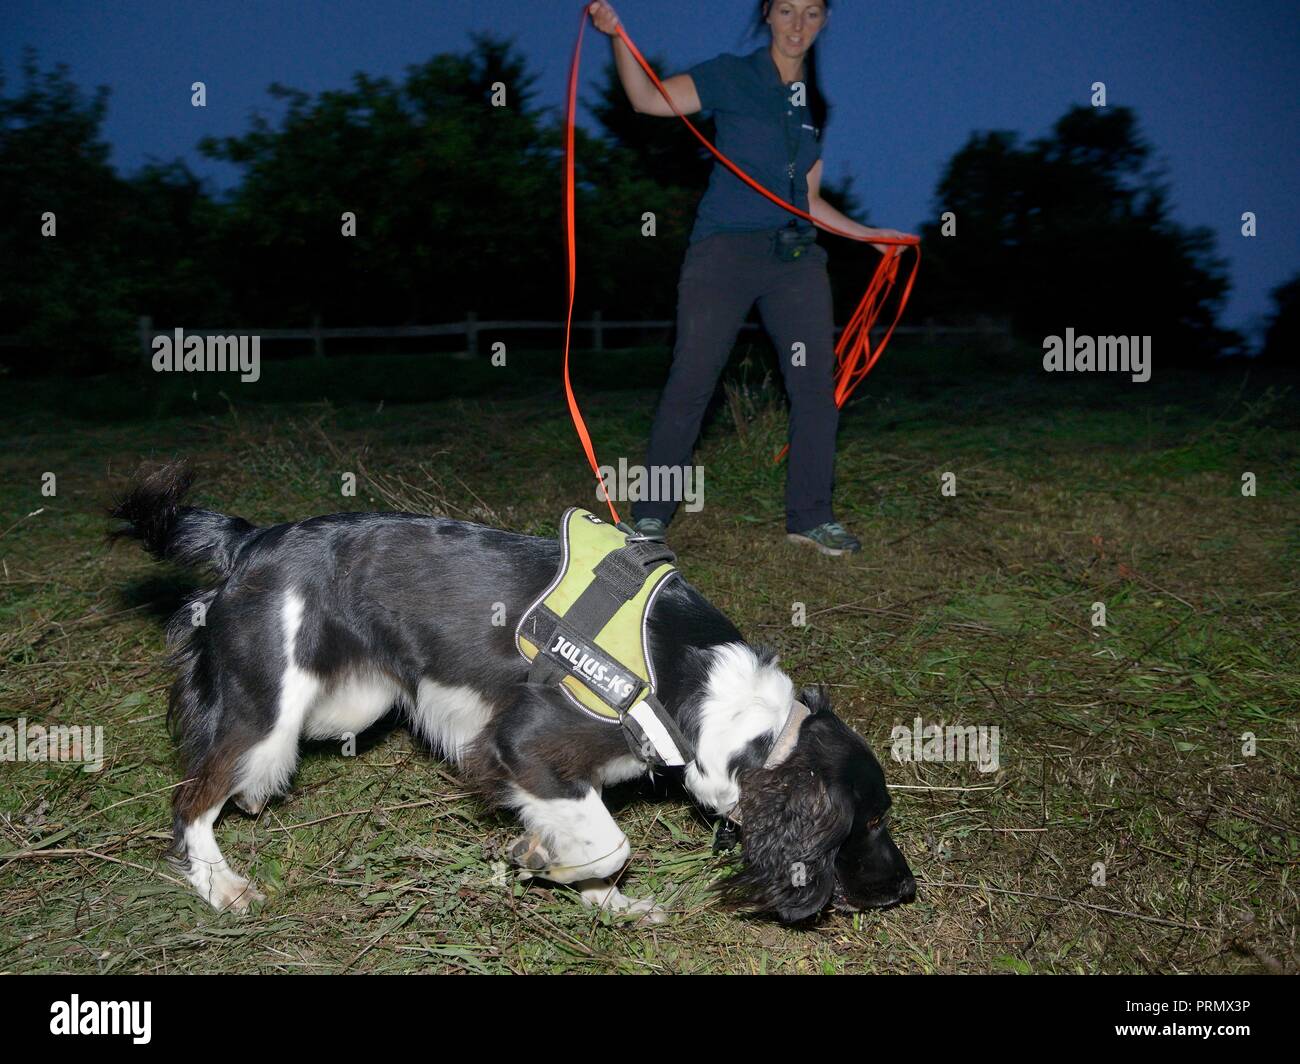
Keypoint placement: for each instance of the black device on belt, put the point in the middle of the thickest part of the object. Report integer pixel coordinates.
(791, 243)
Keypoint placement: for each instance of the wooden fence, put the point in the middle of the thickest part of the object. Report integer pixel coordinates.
(996, 331)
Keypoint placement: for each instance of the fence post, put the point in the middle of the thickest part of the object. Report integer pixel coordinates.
(317, 340)
(146, 338)
(597, 331)
(471, 332)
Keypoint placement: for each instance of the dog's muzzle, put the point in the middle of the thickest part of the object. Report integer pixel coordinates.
(903, 894)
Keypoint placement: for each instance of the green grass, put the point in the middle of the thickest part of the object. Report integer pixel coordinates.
(1118, 745)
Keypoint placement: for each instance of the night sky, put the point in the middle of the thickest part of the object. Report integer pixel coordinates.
(1215, 85)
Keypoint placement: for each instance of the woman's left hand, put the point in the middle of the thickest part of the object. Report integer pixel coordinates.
(890, 234)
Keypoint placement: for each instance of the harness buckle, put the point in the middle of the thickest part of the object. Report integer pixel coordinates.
(725, 835)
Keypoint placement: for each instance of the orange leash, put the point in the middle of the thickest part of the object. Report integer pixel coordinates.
(854, 355)
(578, 423)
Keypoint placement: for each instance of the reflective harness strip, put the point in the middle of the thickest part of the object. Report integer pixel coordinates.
(588, 633)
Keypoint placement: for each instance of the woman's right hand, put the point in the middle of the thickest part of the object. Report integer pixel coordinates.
(603, 17)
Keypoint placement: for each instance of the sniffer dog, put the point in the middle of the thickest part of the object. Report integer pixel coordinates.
(317, 629)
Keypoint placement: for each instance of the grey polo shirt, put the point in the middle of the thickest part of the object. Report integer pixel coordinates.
(759, 129)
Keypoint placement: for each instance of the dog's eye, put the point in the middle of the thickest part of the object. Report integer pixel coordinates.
(873, 824)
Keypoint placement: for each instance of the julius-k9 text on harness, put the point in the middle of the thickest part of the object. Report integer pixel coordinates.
(588, 633)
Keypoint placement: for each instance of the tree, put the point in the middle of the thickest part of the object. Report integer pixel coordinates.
(171, 249)
(64, 294)
(456, 201)
(122, 248)
(1074, 230)
(1282, 341)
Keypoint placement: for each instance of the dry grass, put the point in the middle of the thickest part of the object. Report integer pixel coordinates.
(1119, 745)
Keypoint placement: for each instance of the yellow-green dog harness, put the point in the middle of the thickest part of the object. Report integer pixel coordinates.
(588, 632)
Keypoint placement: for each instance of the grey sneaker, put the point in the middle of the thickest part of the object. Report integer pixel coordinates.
(651, 528)
(831, 538)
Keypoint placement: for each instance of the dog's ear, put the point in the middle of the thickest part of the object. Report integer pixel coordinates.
(792, 827)
(816, 699)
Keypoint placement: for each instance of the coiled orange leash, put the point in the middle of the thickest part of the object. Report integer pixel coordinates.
(854, 354)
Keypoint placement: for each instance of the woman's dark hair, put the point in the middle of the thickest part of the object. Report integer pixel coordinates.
(818, 106)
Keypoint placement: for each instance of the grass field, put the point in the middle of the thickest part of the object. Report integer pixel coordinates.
(1120, 745)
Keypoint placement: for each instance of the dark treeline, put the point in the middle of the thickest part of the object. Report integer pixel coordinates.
(458, 208)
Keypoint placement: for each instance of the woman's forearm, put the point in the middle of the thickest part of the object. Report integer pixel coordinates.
(828, 215)
(640, 90)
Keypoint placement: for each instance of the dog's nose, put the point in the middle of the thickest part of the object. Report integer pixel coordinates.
(907, 891)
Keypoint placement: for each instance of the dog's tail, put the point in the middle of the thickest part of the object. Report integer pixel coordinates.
(154, 515)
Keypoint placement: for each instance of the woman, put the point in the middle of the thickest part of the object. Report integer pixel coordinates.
(745, 249)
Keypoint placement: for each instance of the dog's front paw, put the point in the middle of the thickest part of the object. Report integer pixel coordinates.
(603, 894)
(251, 806)
(246, 899)
(645, 910)
(233, 893)
(528, 853)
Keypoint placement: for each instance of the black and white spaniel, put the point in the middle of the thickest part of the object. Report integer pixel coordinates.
(315, 630)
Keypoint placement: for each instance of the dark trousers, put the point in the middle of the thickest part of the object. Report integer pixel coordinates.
(722, 277)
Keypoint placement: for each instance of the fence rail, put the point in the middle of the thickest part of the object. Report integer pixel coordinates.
(997, 330)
